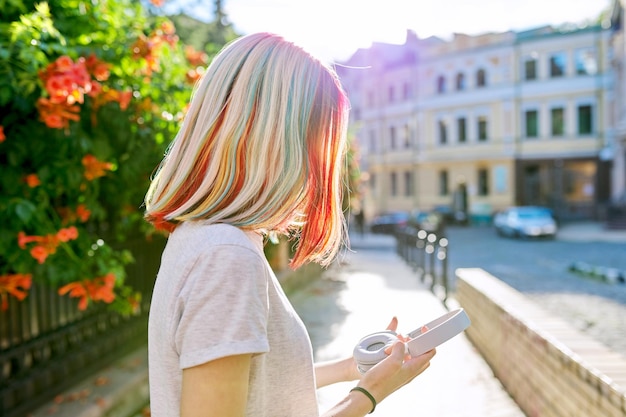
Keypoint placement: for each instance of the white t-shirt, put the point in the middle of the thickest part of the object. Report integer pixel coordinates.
(215, 295)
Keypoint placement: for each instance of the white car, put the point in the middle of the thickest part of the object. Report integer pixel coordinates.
(526, 221)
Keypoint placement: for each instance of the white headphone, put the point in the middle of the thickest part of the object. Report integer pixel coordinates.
(371, 349)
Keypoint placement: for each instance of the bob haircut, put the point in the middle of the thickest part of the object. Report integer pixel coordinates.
(261, 148)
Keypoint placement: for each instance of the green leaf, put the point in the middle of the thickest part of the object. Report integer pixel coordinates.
(25, 210)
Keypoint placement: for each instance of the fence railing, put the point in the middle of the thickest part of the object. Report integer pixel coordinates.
(48, 345)
(427, 254)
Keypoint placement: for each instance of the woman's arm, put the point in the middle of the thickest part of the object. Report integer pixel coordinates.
(220, 387)
(380, 381)
(217, 388)
(340, 370)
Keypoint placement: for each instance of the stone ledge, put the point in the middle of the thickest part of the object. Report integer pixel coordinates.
(540, 359)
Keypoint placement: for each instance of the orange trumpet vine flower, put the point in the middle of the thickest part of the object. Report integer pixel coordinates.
(46, 245)
(96, 289)
(16, 285)
(95, 168)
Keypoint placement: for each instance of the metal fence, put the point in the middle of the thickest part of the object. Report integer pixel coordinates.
(427, 254)
(48, 345)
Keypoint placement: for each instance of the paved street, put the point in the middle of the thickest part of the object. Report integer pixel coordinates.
(540, 269)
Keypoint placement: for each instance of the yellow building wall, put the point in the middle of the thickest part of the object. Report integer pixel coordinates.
(500, 179)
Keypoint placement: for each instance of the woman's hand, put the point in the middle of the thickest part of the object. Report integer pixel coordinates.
(384, 378)
(398, 369)
(393, 372)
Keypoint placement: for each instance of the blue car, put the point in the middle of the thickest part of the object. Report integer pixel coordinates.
(526, 222)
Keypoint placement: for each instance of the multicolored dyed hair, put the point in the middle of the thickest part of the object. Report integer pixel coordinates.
(261, 147)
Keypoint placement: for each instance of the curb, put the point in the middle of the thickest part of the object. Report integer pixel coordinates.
(118, 390)
(601, 273)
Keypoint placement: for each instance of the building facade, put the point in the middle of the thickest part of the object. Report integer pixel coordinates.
(617, 211)
(479, 123)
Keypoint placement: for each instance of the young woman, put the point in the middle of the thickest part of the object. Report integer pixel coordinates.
(260, 151)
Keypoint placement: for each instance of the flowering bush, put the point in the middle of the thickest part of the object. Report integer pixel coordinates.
(90, 95)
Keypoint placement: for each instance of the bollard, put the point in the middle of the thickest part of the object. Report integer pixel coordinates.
(427, 254)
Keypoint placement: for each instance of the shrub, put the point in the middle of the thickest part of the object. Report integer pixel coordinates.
(91, 93)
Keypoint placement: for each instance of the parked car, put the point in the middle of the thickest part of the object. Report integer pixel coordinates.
(525, 221)
(430, 221)
(389, 223)
(450, 215)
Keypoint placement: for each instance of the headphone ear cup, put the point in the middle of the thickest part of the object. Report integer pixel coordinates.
(371, 349)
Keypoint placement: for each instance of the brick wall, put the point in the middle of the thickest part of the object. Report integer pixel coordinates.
(549, 368)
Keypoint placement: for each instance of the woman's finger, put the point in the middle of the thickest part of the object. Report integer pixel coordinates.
(393, 324)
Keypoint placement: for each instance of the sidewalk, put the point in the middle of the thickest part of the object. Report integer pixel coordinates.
(590, 232)
(350, 301)
(359, 297)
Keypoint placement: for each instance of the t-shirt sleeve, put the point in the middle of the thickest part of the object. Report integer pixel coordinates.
(223, 306)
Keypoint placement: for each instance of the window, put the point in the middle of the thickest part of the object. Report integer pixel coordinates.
(531, 119)
(460, 122)
(391, 94)
(394, 183)
(406, 91)
(443, 133)
(441, 84)
(392, 137)
(558, 121)
(481, 80)
(483, 182)
(585, 62)
(557, 64)
(370, 99)
(443, 183)
(585, 120)
(460, 81)
(407, 136)
(372, 138)
(500, 178)
(482, 128)
(408, 183)
(372, 181)
(530, 69)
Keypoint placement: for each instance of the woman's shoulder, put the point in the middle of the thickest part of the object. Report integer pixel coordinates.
(205, 235)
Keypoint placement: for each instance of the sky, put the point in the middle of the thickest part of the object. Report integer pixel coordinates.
(334, 29)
